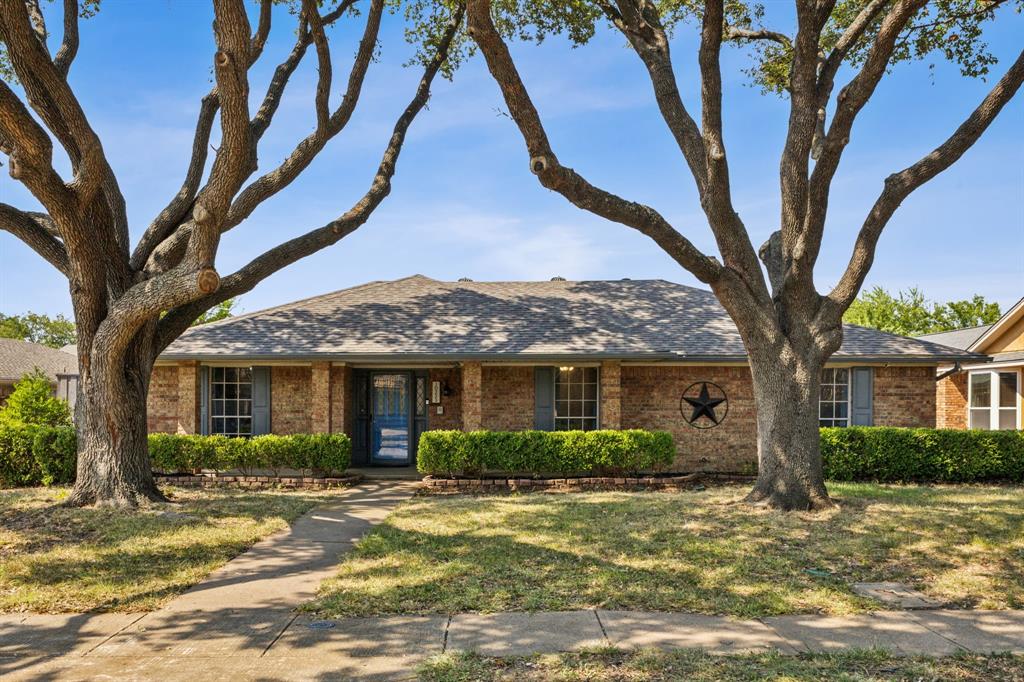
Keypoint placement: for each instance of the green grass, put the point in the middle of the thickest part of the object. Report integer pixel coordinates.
(695, 666)
(692, 551)
(54, 559)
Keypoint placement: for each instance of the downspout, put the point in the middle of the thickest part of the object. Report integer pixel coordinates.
(956, 369)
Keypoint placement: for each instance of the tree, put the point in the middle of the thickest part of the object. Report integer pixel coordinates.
(55, 332)
(788, 327)
(221, 311)
(33, 402)
(130, 301)
(910, 314)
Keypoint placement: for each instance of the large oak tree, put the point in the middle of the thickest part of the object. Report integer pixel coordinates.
(789, 328)
(131, 300)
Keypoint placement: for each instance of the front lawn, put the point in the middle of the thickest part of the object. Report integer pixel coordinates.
(693, 551)
(695, 666)
(54, 559)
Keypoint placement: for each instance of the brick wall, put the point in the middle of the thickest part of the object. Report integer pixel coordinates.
(508, 398)
(951, 402)
(650, 400)
(162, 404)
(342, 407)
(290, 389)
(472, 396)
(904, 396)
(452, 404)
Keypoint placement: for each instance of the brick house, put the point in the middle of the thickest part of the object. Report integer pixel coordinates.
(387, 360)
(984, 395)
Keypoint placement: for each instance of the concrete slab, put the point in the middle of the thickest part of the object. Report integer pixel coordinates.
(894, 631)
(896, 594)
(519, 634)
(284, 571)
(715, 634)
(978, 631)
(44, 634)
(198, 633)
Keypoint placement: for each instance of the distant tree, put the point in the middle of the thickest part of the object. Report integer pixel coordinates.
(55, 332)
(221, 311)
(33, 402)
(909, 313)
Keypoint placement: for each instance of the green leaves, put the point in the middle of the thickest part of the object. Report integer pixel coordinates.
(33, 403)
(910, 314)
(55, 332)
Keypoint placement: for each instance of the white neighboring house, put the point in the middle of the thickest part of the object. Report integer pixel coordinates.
(18, 358)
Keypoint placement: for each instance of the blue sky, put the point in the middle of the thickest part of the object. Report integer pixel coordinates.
(464, 202)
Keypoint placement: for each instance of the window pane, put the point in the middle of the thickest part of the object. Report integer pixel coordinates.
(1007, 389)
(590, 409)
(842, 393)
(981, 389)
(590, 375)
(590, 391)
(562, 391)
(218, 374)
(562, 408)
(1007, 420)
(245, 391)
(218, 425)
(231, 374)
(841, 410)
(981, 419)
(245, 408)
(828, 376)
(842, 376)
(828, 393)
(244, 374)
(245, 426)
(230, 391)
(826, 410)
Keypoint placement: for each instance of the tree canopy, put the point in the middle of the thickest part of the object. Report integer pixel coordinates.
(909, 313)
(55, 332)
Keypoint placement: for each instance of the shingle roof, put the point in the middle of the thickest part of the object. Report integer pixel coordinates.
(958, 338)
(18, 358)
(418, 318)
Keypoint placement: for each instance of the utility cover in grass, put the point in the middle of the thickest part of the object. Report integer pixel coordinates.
(896, 594)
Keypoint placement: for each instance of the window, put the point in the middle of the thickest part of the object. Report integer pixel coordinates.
(834, 397)
(576, 399)
(231, 401)
(992, 400)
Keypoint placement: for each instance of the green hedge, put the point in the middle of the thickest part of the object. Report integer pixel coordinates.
(878, 453)
(34, 455)
(45, 455)
(553, 453)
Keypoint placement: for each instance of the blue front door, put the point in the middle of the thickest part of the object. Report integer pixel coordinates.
(390, 400)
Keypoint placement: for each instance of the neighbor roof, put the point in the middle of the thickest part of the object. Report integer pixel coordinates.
(958, 338)
(418, 319)
(18, 358)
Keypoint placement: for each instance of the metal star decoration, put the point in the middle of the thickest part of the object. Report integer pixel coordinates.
(704, 405)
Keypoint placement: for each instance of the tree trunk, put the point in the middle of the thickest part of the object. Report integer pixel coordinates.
(113, 454)
(790, 474)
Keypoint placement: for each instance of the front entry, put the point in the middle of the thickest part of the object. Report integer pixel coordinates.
(390, 419)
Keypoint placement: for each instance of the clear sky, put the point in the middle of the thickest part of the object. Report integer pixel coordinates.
(464, 203)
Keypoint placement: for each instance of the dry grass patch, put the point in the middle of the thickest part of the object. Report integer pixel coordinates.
(693, 551)
(694, 666)
(54, 559)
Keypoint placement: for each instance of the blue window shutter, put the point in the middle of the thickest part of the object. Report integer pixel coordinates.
(544, 398)
(861, 396)
(204, 401)
(260, 400)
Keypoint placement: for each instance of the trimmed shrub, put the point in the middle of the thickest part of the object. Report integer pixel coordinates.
(319, 452)
(55, 450)
(886, 454)
(552, 453)
(34, 455)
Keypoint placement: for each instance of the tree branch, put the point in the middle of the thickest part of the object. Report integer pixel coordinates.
(37, 231)
(899, 186)
(737, 33)
(69, 42)
(564, 180)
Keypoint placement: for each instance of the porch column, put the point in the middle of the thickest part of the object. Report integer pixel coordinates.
(188, 397)
(320, 398)
(611, 395)
(472, 397)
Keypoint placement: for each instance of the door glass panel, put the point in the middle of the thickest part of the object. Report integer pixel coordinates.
(390, 420)
(981, 389)
(1007, 389)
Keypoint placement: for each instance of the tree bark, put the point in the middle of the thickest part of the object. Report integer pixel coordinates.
(114, 468)
(790, 474)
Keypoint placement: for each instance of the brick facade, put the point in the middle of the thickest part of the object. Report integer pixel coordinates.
(508, 397)
(951, 402)
(904, 396)
(290, 409)
(305, 398)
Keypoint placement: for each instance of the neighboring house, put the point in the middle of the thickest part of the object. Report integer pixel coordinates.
(18, 358)
(984, 395)
(387, 360)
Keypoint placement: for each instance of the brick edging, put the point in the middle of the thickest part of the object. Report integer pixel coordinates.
(433, 484)
(258, 482)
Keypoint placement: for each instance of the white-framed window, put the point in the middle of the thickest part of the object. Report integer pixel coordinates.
(834, 397)
(231, 401)
(992, 397)
(576, 390)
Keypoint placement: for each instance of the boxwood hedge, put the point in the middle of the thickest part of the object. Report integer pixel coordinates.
(34, 455)
(555, 453)
(878, 453)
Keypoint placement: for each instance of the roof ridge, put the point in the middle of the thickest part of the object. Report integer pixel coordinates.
(285, 306)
